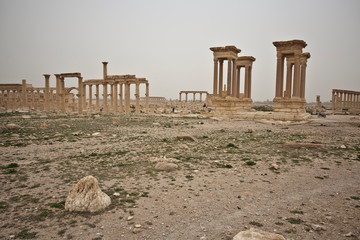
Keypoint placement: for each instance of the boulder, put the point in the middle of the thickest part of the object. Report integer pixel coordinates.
(255, 234)
(12, 126)
(86, 196)
(166, 166)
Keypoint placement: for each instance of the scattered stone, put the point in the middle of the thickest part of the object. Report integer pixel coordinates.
(254, 234)
(116, 194)
(115, 121)
(26, 116)
(275, 166)
(76, 133)
(303, 145)
(316, 227)
(12, 126)
(156, 124)
(138, 225)
(44, 126)
(86, 196)
(96, 134)
(15, 135)
(249, 131)
(348, 234)
(186, 138)
(130, 218)
(64, 125)
(165, 166)
(96, 116)
(137, 230)
(343, 146)
(164, 159)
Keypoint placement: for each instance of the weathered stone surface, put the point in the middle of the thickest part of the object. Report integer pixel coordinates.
(255, 234)
(12, 126)
(86, 196)
(303, 145)
(186, 138)
(44, 126)
(116, 121)
(165, 166)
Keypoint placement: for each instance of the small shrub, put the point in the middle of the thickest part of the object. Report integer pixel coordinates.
(250, 163)
(294, 220)
(255, 224)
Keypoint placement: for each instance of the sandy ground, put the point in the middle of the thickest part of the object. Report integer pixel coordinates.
(226, 181)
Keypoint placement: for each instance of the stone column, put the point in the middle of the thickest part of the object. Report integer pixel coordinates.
(24, 94)
(147, 98)
(221, 77)
(80, 95)
(247, 84)
(228, 91)
(186, 100)
(238, 81)
(58, 98)
(234, 86)
(105, 96)
(84, 96)
(32, 99)
(215, 78)
(137, 97)
(13, 100)
(97, 105)
(38, 100)
(121, 97)
(62, 95)
(180, 100)
(302, 79)
(104, 70)
(341, 101)
(111, 97)
(333, 101)
(296, 90)
(127, 98)
(279, 75)
(194, 94)
(90, 98)
(47, 92)
(200, 98)
(116, 108)
(51, 99)
(288, 79)
(250, 79)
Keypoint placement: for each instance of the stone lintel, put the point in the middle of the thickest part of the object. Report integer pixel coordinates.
(247, 58)
(306, 55)
(289, 44)
(205, 92)
(226, 49)
(64, 75)
(120, 76)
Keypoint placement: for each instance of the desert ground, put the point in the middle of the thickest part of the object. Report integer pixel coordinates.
(233, 176)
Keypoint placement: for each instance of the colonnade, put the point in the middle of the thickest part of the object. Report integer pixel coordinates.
(194, 97)
(345, 100)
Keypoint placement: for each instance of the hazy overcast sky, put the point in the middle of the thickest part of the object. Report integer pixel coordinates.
(168, 41)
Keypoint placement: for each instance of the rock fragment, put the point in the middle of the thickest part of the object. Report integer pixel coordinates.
(255, 234)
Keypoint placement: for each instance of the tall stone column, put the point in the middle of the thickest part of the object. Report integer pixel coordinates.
(180, 100)
(296, 91)
(47, 92)
(250, 81)
(186, 100)
(228, 91)
(58, 97)
(247, 84)
(194, 94)
(279, 75)
(84, 96)
(24, 94)
(137, 97)
(127, 98)
(104, 70)
(116, 107)
(200, 98)
(221, 77)
(38, 100)
(62, 95)
(80, 95)
(238, 81)
(111, 97)
(51, 100)
(97, 104)
(121, 98)
(105, 96)
(333, 101)
(215, 78)
(234, 86)
(288, 79)
(302, 79)
(341, 102)
(147, 98)
(90, 98)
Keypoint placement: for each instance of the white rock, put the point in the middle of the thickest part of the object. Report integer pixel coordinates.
(255, 234)
(130, 218)
(138, 225)
(96, 134)
(86, 196)
(343, 146)
(116, 194)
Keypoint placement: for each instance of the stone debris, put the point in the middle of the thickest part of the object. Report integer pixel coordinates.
(164, 159)
(44, 126)
(303, 145)
(130, 218)
(316, 227)
(255, 234)
(186, 138)
(275, 166)
(343, 147)
(115, 121)
(12, 126)
(64, 125)
(137, 230)
(165, 166)
(96, 134)
(86, 196)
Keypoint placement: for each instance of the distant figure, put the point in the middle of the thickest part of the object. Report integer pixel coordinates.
(173, 109)
(101, 109)
(204, 106)
(323, 115)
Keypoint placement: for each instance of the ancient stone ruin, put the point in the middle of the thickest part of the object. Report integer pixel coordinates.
(345, 101)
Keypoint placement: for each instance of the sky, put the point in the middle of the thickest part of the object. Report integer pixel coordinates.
(167, 41)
